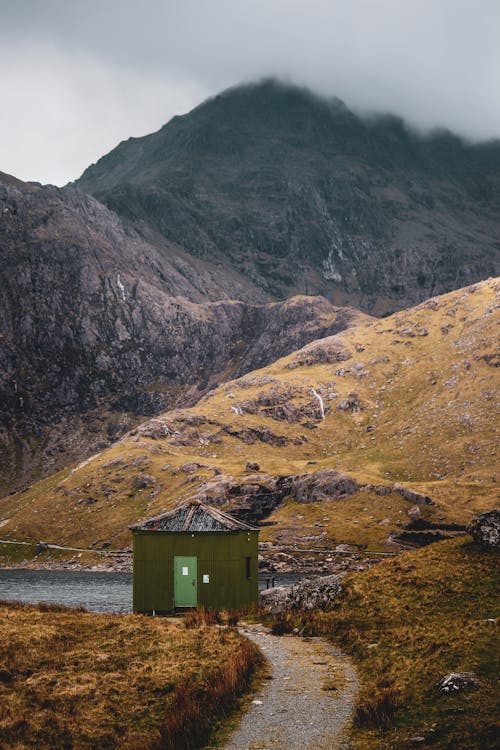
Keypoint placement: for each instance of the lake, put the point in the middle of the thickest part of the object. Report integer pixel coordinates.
(97, 591)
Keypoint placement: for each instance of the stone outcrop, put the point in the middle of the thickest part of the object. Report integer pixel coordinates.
(350, 403)
(143, 481)
(255, 498)
(417, 498)
(318, 593)
(277, 403)
(326, 351)
(252, 500)
(321, 486)
(485, 529)
(455, 682)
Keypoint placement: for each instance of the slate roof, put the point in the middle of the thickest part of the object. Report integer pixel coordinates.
(193, 516)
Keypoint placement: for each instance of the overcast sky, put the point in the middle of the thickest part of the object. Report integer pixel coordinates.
(78, 76)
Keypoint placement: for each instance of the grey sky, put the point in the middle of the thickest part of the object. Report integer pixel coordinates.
(77, 77)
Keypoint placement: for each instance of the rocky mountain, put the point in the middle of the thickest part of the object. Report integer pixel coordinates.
(109, 315)
(296, 194)
(382, 433)
(101, 326)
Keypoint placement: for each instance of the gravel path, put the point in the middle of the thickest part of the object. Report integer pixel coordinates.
(308, 703)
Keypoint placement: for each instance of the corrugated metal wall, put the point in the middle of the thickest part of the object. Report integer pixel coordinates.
(221, 556)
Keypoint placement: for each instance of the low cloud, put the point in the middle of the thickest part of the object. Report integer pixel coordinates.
(79, 77)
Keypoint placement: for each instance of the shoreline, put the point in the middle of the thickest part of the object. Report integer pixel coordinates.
(70, 566)
(341, 564)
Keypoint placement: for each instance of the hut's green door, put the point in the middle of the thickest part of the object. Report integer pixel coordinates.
(185, 581)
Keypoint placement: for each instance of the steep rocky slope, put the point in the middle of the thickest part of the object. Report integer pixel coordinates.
(297, 194)
(386, 425)
(100, 326)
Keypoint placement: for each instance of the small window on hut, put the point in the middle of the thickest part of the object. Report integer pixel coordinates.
(248, 565)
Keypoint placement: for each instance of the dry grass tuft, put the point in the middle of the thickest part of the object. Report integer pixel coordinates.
(195, 618)
(55, 607)
(378, 711)
(281, 626)
(188, 722)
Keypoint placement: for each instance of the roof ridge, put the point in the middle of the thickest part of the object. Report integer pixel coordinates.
(226, 520)
(189, 516)
(221, 515)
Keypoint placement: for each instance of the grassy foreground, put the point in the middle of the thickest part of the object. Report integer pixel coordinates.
(407, 623)
(75, 680)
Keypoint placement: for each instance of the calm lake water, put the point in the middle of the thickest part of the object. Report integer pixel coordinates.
(97, 591)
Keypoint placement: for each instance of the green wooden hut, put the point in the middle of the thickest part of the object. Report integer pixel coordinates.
(194, 556)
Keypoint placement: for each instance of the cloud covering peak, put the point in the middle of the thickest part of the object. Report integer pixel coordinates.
(79, 77)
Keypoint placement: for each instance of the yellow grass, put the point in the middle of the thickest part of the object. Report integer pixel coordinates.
(429, 420)
(78, 680)
(362, 519)
(407, 623)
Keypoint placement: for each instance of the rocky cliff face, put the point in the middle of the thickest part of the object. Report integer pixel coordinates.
(100, 327)
(296, 194)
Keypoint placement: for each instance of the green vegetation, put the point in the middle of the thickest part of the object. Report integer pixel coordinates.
(76, 680)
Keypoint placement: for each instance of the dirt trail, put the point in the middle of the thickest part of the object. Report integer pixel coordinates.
(307, 705)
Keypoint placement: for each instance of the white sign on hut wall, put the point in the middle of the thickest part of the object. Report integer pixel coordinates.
(185, 571)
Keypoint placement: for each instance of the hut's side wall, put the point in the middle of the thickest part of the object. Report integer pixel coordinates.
(221, 556)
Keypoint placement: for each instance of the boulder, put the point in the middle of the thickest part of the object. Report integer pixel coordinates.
(144, 480)
(323, 351)
(455, 681)
(252, 466)
(417, 498)
(322, 485)
(308, 594)
(485, 529)
(275, 599)
(155, 429)
(190, 467)
(414, 513)
(350, 403)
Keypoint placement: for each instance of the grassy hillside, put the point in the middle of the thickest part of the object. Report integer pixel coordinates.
(408, 399)
(71, 679)
(407, 623)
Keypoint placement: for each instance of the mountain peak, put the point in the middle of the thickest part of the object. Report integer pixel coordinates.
(273, 93)
(299, 195)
